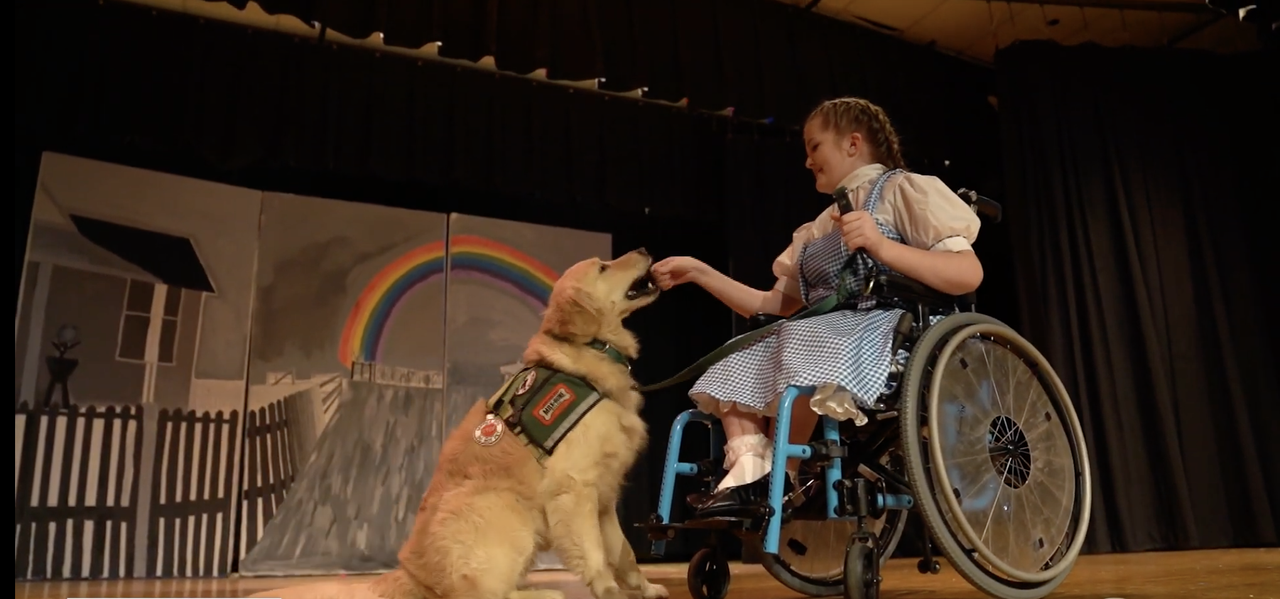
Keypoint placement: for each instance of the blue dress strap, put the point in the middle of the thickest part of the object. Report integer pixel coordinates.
(877, 190)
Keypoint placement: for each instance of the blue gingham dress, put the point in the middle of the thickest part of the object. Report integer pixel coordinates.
(849, 348)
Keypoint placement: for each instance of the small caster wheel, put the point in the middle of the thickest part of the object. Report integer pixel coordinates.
(932, 566)
(708, 575)
(861, 572)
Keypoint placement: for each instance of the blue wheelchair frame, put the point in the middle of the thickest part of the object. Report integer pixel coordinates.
(784, 449)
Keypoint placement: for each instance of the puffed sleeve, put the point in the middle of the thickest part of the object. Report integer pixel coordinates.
(784, 266)
(932, 217)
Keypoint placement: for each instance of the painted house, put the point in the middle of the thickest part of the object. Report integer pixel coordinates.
(155, 273)
(137, 331)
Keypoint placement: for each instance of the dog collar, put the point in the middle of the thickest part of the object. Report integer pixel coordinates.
(610, 351)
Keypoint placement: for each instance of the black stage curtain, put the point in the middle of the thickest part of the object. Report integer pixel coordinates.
(121, 83)
(764, 58)
(1139, 192)
(98, 77)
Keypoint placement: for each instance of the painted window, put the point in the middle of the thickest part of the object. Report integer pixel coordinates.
(140, 299)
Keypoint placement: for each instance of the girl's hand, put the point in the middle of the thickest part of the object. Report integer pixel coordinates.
(676, 270)
(859, 231)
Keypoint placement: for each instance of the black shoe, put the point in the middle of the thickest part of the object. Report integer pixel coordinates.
(743, 501)
(695, 500)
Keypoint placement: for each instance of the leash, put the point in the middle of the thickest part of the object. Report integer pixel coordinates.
(834, 302)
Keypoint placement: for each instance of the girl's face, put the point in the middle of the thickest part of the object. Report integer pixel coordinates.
(831, 157)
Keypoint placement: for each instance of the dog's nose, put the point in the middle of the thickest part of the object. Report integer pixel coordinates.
(643, 252)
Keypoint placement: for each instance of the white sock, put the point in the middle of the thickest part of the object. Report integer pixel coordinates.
(748, 458)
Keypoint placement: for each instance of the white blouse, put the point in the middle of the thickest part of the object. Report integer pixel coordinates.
(921, 208)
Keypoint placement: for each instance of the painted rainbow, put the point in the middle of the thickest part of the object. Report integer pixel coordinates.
(469, 256)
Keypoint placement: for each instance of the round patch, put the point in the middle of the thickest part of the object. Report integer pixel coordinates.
(527, 382)
(488, 432)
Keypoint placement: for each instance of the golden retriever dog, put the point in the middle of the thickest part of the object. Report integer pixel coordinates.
(490, 508)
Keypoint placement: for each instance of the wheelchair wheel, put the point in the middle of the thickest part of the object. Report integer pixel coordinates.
(708, 575)
(811, 553)
(996, 457)
(862, 581)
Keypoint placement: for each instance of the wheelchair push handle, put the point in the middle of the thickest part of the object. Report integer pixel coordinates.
(981, 204)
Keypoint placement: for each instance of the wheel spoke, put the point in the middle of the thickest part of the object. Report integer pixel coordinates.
(986, 357)
(1004, 490)
(1017, 499)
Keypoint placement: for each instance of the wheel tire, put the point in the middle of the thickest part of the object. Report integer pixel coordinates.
(916, 454)
(860, 578)
(708, 575)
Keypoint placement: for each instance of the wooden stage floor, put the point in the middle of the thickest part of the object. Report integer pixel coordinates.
(1233, 574)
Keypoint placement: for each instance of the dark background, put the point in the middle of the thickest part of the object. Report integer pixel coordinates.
(1135, 252)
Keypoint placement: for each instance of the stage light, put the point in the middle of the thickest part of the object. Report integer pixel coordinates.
(1264, 13)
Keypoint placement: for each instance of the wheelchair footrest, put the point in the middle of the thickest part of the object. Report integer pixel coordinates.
(662, 532)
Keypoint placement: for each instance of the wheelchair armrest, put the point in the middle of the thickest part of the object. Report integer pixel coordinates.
(895, 286)
(761, 320)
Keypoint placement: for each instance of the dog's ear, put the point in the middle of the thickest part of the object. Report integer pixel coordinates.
(571, 314)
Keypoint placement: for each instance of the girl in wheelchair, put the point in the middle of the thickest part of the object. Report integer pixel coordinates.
(903, 222)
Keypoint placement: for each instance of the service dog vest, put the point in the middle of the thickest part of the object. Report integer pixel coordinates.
(540, 406)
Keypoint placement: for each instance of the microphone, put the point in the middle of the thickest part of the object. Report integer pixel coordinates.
(843, 203)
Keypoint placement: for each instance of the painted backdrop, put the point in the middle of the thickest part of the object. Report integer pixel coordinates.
(130, 348)
(211, 379)
(345, 385)
(375, 329)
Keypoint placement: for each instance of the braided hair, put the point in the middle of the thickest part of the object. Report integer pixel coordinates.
(856, 115)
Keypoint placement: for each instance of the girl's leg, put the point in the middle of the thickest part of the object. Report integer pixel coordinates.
(749, 449)
(737, 423)
(749, 458)
(748, 453)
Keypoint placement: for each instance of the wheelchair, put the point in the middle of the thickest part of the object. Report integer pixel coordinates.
(974, 432)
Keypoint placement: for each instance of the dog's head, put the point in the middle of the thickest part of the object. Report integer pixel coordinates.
(592, 297)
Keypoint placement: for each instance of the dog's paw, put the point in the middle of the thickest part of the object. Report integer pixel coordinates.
(654, 591)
